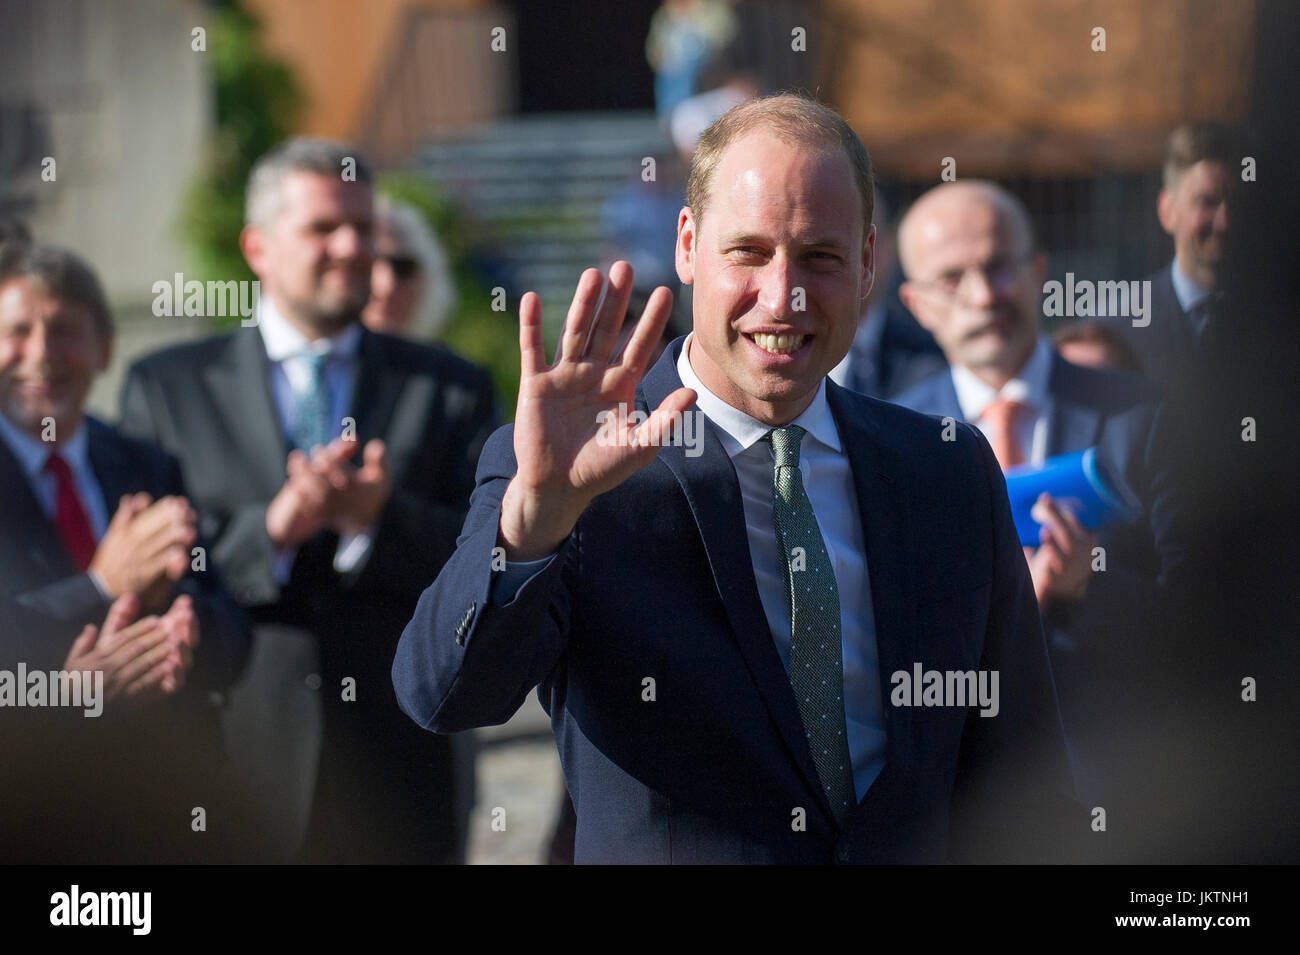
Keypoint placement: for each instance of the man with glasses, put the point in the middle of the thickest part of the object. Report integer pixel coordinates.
(974, 280)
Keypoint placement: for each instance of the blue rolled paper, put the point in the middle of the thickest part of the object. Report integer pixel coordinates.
(1079, 482)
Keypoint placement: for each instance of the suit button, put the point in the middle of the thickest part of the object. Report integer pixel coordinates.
(313, 681)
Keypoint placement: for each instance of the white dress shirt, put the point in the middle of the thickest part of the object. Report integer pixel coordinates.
(286, 351)
(1029, 387)
(1188, 293)
(32, 454)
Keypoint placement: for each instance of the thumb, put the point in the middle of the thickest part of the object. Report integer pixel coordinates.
(297, 463)
(84, 642)
(374, 457)
(124, 610)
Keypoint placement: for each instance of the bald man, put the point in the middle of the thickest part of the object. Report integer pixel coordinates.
(974, 280)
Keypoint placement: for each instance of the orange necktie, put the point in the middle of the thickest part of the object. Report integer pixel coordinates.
(1001, 417)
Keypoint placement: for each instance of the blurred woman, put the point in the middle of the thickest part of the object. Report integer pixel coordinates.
(412, 293)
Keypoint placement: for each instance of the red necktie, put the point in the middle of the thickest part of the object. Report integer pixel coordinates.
(70, 516)
(1001, 416)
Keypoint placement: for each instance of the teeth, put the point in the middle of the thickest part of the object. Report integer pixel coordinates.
(778, 344)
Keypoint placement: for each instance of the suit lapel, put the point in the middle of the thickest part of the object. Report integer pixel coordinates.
(107, 460)
(879, 480)
(713, 493)
(1071, 426)
(25, 521)
(944, 395)
(239, 387)
(379, 383)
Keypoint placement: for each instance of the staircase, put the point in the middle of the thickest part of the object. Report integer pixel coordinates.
(534, 187)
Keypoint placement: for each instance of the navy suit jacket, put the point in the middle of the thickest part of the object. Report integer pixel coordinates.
(1095, 641)
(656, 582)
(46, 600)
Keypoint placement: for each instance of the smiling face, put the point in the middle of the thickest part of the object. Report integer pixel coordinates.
(781, 267)
(314, 257)
(1194, 210)
(50, 352)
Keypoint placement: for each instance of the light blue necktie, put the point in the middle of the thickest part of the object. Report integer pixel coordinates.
(816, 656)
(312, 424)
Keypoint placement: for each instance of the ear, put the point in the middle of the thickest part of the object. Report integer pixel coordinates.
(1165, 210)
(913, 298)
(868, 264)
(1038, 266)
(687, 237)
(252, 242)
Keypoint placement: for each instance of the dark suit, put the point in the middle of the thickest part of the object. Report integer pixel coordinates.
(1164, 348)
(1097, 644)
(656, 581)
(155, 753)
(904, 355)
(380, 790)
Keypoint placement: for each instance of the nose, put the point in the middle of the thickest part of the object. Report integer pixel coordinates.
(977, 288)
(776, 293)
(382, 279)
(350, 242)
(1221, 217)
(36, 344)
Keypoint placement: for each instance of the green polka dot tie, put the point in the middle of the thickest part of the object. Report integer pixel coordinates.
(816, 659)
(312, 406)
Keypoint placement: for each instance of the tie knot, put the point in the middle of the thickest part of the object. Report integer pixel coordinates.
(55, 465)
(315, 361)
(1003, 412)
(785, 445)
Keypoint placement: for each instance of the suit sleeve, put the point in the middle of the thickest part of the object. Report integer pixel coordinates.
(1013, 800)
(464, 661)
(238, 535)
(225, 635)
(415, 535)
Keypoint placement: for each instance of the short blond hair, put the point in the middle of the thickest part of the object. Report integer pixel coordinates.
(793, 118)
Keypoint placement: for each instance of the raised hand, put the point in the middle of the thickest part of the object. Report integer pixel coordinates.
(565, 455)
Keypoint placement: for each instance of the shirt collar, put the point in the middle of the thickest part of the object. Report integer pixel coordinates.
(741, 432)
(32, 454)
(283, 341)
(1189, 294)
(1029, 386)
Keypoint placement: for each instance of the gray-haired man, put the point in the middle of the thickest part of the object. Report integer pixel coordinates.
(336, 465)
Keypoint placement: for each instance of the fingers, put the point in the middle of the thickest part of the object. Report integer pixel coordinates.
(655, 431)
(82, 646)
(374, 458)
(605, 329)
(532, 353)
(125, 609)
(636, 356)
(161, 679)
(328, 468)
(573, 338)
(126, 670)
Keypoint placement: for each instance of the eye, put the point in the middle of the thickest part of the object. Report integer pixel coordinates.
(748, 252)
